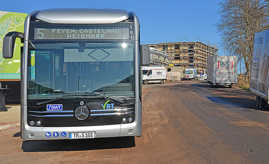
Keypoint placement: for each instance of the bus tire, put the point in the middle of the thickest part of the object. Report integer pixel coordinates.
(132, 141)
(257, 103)
(129, 141)
(260, 103)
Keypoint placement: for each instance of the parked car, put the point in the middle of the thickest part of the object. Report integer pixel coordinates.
(205, 76)
(202, 76)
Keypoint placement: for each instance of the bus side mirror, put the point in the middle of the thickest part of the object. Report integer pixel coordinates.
(9, 42)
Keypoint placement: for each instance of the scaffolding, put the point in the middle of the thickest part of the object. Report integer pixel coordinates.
(187, 54)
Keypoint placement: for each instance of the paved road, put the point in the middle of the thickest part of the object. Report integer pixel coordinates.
(186, 122)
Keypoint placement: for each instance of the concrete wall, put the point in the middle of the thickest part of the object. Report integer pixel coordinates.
(176, 74)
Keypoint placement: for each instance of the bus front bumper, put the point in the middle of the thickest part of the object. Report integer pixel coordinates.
(65, 133)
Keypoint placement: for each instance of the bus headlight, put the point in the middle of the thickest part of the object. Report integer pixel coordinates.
(130, 119)
(38, 123)
(32, 123)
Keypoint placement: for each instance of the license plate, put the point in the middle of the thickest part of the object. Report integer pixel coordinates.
(82, 135)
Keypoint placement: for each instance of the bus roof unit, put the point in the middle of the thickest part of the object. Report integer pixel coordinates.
(81, 16)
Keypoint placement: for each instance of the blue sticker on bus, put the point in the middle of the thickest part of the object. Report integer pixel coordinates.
(63, 134)
(55, 107)
(55, 134)
(48, 134)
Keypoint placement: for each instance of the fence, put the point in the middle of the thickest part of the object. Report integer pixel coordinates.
(174, 76)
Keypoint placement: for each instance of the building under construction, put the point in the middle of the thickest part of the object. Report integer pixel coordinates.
(187, 54)
(153, 56)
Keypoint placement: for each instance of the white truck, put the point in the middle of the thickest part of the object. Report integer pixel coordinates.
(154, 74)
(222, 70)
(190, 74)
(259, 79)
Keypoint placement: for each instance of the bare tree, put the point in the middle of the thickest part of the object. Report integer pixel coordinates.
(240, 19)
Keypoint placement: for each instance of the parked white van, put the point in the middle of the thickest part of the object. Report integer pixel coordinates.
(154, 74)
(190, 74)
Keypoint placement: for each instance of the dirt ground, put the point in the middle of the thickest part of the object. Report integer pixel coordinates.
(185, 122)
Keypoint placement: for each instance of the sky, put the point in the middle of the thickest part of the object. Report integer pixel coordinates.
(160, 20)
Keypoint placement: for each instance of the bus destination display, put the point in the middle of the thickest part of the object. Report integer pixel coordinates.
(81, 33)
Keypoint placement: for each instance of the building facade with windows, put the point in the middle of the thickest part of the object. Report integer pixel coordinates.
(152, 56)
(184, 55)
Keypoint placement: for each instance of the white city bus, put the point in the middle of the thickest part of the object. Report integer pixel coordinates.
(80, 74)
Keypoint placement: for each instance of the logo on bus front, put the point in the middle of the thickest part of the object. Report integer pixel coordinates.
(54, 107)
(107, 105)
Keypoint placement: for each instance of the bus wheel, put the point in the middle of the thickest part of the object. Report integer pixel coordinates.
(132, 141)
(257, 102)
(128, 141)
(260, 103)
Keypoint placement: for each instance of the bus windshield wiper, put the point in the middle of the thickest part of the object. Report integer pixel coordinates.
(83, 94)
(68, 95)
(118, 99)
(51, 100)
(113, 98)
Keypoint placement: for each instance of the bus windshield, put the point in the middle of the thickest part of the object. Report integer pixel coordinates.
(66, 58)
(74, 67)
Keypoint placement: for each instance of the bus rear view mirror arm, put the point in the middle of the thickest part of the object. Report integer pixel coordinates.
(9, 41)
